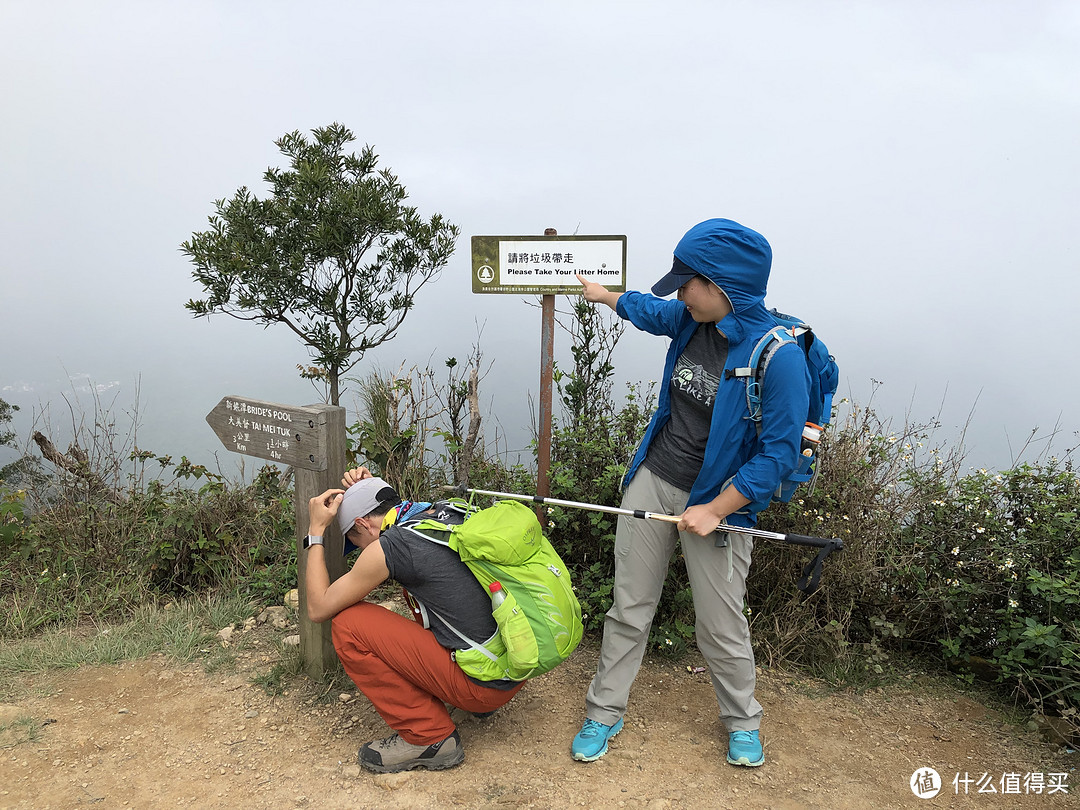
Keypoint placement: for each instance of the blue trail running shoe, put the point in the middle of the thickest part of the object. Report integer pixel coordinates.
(591, 742)
(744, 748)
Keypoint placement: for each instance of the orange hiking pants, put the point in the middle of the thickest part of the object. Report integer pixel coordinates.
(406, 674)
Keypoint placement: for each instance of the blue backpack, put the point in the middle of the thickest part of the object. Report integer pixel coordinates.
(824, 378)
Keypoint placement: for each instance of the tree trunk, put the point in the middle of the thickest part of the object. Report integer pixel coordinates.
(76, 463)
(334, 390)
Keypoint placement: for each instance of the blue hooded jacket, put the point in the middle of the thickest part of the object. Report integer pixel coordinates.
(738, 261)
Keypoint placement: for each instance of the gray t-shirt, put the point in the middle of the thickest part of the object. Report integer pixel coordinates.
(677, 452)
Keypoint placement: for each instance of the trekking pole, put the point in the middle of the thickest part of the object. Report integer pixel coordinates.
(811, 573)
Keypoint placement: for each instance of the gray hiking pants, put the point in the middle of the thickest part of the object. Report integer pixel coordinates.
(643, 550)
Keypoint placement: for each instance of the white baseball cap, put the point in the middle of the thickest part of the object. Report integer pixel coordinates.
(360, 500)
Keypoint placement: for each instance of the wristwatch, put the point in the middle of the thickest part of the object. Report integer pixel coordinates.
(312, 540)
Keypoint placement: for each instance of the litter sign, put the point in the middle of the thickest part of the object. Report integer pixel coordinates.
(547, 265)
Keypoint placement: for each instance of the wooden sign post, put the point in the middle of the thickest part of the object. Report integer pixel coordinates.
(312, 440)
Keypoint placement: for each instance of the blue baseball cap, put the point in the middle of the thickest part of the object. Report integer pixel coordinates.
(679, 274)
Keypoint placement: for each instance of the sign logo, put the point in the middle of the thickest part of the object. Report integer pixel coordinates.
(485, 274)
(925, 783)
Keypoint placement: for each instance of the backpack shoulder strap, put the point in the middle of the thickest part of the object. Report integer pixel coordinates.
(420, 526)
(473, 645)
(442, 509)
(760, 357)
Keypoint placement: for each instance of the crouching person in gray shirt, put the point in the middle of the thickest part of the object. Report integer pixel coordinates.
(406, 669)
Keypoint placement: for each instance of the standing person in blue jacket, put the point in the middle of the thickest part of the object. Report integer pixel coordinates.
(702, 459)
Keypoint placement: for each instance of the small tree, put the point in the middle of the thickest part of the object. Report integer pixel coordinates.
(334, 253)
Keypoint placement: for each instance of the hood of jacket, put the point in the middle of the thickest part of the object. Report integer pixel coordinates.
(735, 258)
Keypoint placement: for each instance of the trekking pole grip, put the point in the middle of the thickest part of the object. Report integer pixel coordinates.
(816, 542)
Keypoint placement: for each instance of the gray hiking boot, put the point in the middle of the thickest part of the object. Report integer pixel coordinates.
(393, 754)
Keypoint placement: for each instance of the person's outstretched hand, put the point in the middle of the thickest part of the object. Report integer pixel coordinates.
(597, 293)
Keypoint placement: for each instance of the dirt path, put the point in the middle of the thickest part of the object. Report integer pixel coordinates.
(148, 734)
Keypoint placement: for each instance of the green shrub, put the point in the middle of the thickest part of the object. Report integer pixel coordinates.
(12, 516)
(589, 459)
(198, 540)
(592, 444)
(998, 578)
(80, 558)
(978, 571)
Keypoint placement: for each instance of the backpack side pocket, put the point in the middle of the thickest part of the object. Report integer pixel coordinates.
(522, 651)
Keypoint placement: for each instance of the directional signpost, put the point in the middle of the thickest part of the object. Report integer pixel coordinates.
(312, 440)
(291, 435)
(546, 265)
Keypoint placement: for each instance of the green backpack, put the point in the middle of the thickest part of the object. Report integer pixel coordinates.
(540, 619)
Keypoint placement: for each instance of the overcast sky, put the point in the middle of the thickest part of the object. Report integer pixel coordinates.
(915, 166)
